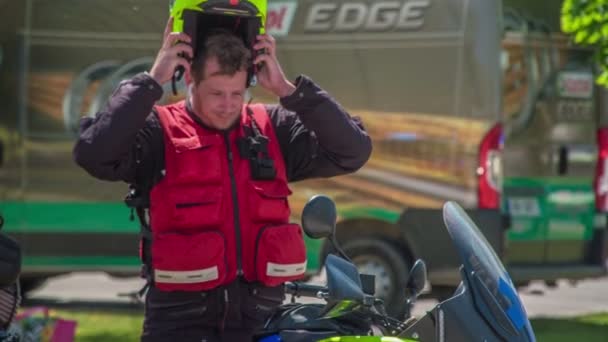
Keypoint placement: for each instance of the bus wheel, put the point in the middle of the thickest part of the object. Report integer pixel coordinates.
(30, 283)
(384, 261)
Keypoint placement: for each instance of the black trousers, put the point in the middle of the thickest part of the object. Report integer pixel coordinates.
(229, 313)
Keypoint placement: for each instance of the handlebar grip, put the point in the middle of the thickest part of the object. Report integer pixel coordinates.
(304, 290)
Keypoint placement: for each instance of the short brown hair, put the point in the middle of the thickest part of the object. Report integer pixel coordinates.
(231, 53)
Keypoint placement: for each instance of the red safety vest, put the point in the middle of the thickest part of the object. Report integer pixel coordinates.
(210, 220)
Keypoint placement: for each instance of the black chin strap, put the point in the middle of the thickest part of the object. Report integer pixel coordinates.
(177, 76)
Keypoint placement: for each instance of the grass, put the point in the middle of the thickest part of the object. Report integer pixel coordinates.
(584, 328)
(104, 326)
(109, 326)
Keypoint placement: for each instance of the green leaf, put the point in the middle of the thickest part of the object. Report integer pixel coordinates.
(604, 30)
(594, 38)
(581, 36)
(602, 79)
(587, 20)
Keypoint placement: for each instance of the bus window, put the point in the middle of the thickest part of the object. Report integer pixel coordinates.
(524, 79)
(521, 68)
(516, 77)
(575, 114)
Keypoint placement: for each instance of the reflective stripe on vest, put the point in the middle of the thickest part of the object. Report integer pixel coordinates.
(186, 277)
(285, 270)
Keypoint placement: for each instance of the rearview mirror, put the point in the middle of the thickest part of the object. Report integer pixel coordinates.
(414, 286)
(417, 279)
(319, 217)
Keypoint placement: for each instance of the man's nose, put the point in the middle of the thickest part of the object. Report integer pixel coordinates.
(225, 102)
(232, 104)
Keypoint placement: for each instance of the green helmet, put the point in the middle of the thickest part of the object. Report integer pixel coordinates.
(245, 18)
(247, 9)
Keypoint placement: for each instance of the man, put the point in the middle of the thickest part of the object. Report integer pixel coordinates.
(215, 172)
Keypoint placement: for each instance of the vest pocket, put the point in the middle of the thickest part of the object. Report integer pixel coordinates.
(268, 201)
(197, 159)
(195, 207)
(280, 254)
(189, 262)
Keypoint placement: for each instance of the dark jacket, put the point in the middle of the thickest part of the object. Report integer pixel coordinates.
(318, 138)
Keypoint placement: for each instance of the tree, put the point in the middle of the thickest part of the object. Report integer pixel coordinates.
(587, 22)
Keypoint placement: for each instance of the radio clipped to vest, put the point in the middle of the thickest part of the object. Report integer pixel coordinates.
(254, 147)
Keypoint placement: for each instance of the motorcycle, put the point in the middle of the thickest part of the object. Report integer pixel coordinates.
(485, 307)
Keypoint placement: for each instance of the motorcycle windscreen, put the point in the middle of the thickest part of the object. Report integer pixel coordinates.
(493, 292)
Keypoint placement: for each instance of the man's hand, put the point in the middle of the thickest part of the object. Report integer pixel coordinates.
(175, 51)
(270, 75)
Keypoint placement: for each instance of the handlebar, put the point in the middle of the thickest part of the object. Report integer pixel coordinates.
(305, 290)
(373, 307)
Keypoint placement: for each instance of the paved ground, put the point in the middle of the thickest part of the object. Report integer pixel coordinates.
(97, 290)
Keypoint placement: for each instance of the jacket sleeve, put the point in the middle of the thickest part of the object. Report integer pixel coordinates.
(113, 144)
(318, 138)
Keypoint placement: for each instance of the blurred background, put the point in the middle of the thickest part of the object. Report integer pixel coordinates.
(497, 105)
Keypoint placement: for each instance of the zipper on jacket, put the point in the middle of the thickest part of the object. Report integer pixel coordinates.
(235, 206)
(257, 242)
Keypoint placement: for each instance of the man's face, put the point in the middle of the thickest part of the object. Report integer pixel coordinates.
(217, 100)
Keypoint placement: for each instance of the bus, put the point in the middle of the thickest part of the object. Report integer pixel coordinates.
(483, 102)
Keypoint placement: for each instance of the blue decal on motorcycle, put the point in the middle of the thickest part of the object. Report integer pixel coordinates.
(516, 312)
(271, 338)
